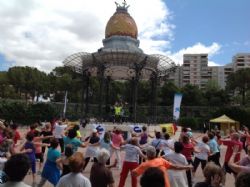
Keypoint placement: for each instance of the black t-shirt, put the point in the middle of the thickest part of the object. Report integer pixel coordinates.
(100, 176)
(46, 133)
(94, 139)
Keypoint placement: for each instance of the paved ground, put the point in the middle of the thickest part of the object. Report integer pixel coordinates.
(116, 172)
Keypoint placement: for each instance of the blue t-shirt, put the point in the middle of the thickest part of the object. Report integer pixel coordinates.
(105, 145)
(213, 146)
(75, 142)
(53, 155)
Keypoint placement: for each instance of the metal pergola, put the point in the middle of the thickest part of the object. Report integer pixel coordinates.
(117, 64)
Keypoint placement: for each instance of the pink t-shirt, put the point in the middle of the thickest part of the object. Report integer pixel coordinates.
(117, 139)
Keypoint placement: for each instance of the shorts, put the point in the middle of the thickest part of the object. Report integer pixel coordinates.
(227, 169)
(40, 157)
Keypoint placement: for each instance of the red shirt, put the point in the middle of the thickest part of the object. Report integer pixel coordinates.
(230, 145)
(16, 137)
(187, 150)
(175, 128)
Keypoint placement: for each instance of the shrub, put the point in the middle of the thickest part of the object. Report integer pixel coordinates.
(40, 112)
(191, 122)
(26, 113)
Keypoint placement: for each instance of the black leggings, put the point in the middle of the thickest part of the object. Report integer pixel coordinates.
(61, 143)
(197, 162)
(215, 158)
(189, 174)
(87, 161)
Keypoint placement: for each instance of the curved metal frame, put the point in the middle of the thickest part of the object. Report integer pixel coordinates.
(138, 66)
(83, 61)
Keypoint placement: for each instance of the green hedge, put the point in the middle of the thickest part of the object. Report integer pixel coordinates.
(194, 117)
(191, 122)
(26, 113)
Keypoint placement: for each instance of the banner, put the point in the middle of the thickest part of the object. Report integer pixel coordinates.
(134, 128)
(169, 127)
(177, 106)
(65, 104)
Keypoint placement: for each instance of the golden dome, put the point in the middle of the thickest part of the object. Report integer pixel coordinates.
(121, 24)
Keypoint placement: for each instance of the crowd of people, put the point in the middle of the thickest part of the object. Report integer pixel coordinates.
(159, 159)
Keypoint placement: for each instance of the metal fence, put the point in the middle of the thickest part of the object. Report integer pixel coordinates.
(163, 113)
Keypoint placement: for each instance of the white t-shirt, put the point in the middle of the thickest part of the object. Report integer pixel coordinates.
(167, 145)
(58, 131)
(177, 158)
(204, 151)
(177, 178)
(132, 153)
(91, 151)
(156, 143)
(74, 180)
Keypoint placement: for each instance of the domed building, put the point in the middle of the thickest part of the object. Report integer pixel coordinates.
(121, 32)
(121, 23)
(120, 58)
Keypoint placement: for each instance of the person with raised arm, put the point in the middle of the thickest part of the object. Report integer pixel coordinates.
(231, 144)
(131, 161)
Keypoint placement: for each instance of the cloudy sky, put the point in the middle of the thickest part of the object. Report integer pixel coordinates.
(42, 33)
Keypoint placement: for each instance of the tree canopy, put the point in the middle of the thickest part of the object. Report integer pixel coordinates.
(239, 81)
(27, 82)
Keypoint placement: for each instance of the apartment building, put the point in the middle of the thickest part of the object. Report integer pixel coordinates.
(195, 70)
(176, 76)
(241, 60)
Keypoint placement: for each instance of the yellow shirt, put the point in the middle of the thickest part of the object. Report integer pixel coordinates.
(78, 134)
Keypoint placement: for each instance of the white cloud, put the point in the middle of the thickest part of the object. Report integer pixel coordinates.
(212, 63)
(247, 43)
(42, 33)
(197, 48)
